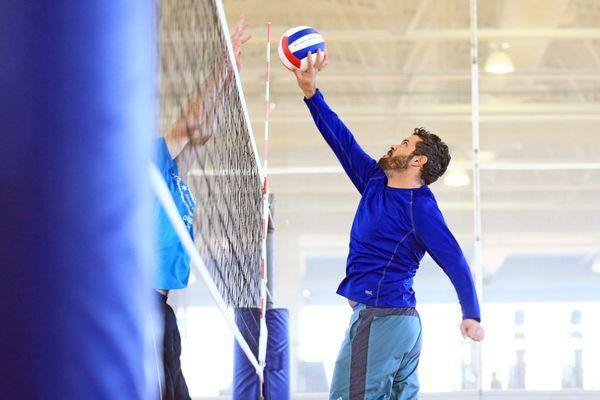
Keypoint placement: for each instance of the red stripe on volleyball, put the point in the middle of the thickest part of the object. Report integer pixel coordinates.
(288, 54)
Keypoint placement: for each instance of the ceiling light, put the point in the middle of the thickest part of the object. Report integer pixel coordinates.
(457, 178)
(498, 62)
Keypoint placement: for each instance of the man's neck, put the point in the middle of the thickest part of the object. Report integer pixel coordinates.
(403, 180)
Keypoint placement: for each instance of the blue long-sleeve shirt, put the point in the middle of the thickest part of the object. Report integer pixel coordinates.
(392, 229)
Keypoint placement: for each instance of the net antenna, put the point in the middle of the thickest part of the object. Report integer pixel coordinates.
(200, 88)
(263, 339)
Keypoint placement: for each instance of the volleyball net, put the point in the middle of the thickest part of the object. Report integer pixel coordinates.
(199, 86)
(200, 96)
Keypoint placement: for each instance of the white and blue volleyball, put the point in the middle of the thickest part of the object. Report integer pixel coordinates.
(295, 45)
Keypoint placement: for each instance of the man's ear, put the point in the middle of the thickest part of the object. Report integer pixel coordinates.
(419, 161)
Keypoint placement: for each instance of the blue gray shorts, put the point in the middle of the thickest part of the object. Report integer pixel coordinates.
(379, 356)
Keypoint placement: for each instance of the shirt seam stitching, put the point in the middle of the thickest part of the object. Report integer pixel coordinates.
(388, 265)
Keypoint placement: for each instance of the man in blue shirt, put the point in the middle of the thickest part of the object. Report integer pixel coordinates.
(396, 222)
(194, 126)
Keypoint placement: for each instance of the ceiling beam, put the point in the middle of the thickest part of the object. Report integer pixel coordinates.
(510, 111)
(444, 35)
(443, 76)
(377, 117)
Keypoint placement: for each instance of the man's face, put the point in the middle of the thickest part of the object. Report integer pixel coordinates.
(399, 155)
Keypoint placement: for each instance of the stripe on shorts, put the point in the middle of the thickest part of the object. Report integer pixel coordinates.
(360, 346)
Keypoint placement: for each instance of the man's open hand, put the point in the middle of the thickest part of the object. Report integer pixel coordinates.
(307, 80)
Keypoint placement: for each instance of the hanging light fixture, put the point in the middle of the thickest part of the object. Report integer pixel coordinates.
(498, 61)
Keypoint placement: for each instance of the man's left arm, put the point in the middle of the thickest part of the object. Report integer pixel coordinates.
(432, 231)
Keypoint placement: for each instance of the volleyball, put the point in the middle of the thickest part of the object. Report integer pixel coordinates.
(295, 44)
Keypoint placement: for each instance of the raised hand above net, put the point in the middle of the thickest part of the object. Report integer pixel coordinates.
(204, 106)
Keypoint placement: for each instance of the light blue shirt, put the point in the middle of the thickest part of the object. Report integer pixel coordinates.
(173, 267)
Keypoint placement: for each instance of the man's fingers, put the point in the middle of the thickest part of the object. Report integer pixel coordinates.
(240, 22)
(244, 40)
(323, 59)
(476, 333)
(240, 27)
(319, 59)
(473, 331)
(310, 61)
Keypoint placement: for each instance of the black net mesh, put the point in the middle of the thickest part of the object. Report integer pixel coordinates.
(199, 97)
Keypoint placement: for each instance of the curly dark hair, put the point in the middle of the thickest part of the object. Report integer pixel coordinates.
(436, 151)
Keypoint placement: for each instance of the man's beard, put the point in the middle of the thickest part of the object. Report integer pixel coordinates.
(394, 163)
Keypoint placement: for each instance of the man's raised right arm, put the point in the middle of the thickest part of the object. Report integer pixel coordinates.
(358, 165)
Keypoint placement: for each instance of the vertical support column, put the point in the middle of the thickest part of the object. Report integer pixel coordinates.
(477, 265)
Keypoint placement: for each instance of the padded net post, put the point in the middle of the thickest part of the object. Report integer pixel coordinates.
(77, 118)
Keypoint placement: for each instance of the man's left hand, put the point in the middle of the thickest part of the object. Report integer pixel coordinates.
(472, 329)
